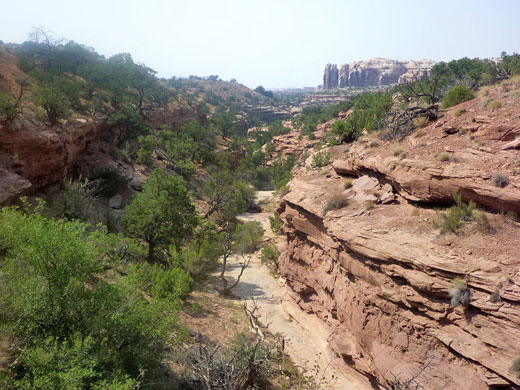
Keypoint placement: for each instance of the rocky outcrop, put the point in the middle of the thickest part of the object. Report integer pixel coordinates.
(33, 157)
(380, 280)
(376, 72)
(330, 76)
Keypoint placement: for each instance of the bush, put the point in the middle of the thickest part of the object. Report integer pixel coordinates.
(337, 201)
(495, 105)
(164, 281)
(397, 152)
(275, 223)
(459, 293)
(421, 121)
(456, 216)
(77, 199)
(458, 113)
(76, 329)
(500, 180)
(346, 183)
(53, 101)
(457, 95)
(444, 157)
(320, 159)
(8, 108)
(270, 255)
(516, 367)
(112, 181)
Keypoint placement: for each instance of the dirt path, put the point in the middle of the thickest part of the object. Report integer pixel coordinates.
(305, 335)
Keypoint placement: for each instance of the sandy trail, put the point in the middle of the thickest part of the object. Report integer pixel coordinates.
(305, 334)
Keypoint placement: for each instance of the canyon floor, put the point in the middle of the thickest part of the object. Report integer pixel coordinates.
(305, 335)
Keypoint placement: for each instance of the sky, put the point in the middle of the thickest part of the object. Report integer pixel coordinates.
(274, 43)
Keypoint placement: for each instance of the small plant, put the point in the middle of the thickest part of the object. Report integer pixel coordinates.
(373, 144)
(370, 205)
(511, 215)
(459, 112)
(457, 95)
(112, 181)
(282, 191)
(397, 152)
(495, 105)
(275, 223)
(516, 366)
(482, 221)
(337, 201)
(500, 180)
(321, 159)
(270, 256)
(456, 216)
(422, 121)
(444, 157)
(459, 293)
(414, 212)
(495, 296)
(346, 183)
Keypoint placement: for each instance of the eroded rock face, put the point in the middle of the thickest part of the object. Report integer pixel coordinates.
(330, 76)
(375, 72)
(32, 158)
(381, 283)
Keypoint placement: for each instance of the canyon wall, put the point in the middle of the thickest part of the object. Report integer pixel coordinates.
(374, 72)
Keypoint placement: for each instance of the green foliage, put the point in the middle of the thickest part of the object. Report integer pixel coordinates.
(335, 202)
(75, 329)
(500, 180)
(247, 237)
(226, 196)
(129, 124)
(261, 90)
(275, 223)
(9, 109)
(163, 280)
(162, 214)
(495, 105)
(321, 159)
(457, 215)
(76, 201)
(459, 293)
(444, 157)
(200, 256)
(112, 181)
(516, 367)
(281, 171)
(370, 110)
(310, 117)
(53, 101)
(270, 255)
(457, 95)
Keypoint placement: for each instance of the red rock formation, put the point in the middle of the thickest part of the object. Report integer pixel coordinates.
(330, 76)
(380, 279)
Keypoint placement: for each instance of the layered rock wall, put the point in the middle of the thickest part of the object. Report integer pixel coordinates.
(376, 72)
(382, 282)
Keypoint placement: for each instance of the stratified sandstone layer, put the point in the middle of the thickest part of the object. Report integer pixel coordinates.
(380, 279)
(375, 72)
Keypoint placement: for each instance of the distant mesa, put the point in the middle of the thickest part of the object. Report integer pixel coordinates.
(375, 72)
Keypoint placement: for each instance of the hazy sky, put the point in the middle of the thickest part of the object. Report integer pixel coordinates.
(275, 43)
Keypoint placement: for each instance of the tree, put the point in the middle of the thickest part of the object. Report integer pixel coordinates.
(162, 214)
(456, 95)
(53, 101)
(225, 200)
(242, 240)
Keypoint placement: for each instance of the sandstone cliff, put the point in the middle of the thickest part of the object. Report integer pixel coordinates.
(378, 272)
(374, 72)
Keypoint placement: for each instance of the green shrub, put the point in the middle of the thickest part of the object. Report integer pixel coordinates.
(516, 367)
(459, 112)
(337, 201)
(500, 180)
(482, 221)
(457, 95)
(77, 330)
(321, 159)
(77, 200)
(275, 223)
(111, 182)
(495, 105)
(9, 109)
(53, 101)
(444, 157)
(369, 205)
(459, 293)
(270, 255)
(457, 215)
(163, 281)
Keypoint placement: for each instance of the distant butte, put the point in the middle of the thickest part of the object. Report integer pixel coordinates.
(375, 72)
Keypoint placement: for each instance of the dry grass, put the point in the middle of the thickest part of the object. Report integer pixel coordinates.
(422, 121)
(444, 157)
(346, 183)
